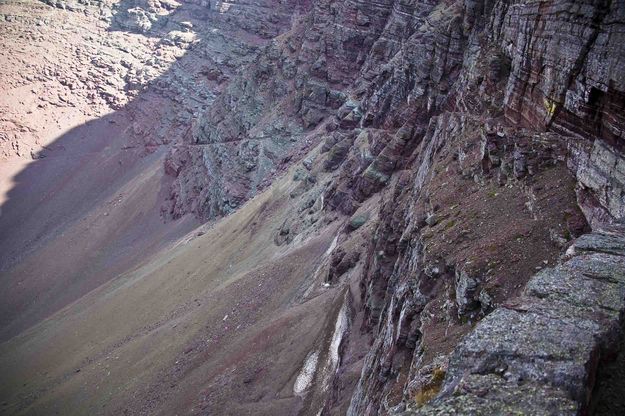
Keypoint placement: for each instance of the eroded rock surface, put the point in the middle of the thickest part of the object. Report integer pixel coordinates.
(462, 161)
(550, 341)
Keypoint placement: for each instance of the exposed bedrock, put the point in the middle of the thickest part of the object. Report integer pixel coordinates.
(548, 343)
(488, 135)
(469, 156)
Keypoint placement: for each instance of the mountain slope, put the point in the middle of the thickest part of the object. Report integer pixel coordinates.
(219, 319)
(384, 187)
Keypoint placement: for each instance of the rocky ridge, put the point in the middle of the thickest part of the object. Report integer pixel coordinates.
(476, 139)
(489, 146)
(540, 353)
(470, 155)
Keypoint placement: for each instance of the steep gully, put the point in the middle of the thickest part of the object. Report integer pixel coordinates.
(455, 147)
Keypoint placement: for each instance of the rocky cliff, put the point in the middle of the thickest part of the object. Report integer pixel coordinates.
(481, 138)
(449, 176)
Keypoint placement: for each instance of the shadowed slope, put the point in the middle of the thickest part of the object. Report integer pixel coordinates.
(219, 322)
(88, 207)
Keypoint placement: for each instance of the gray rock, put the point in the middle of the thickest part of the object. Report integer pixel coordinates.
(466, 293)
(600, 169)
(358, 221)
(545, 345)
(431, 220)
(487, 395)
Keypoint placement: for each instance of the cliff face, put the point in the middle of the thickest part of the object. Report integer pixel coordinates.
(480, 138)
(539, 55)
(436, 189)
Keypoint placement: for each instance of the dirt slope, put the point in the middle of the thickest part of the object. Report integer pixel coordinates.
(383, 179)
(217, 324)
(93, 96)
(106, 306)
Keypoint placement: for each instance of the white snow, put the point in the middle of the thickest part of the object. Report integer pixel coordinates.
(339, 330)
(307, 373)
(332, 246)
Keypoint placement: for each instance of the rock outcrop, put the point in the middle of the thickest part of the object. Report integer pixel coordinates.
(491, 134)
(467, 156)
(548, 343)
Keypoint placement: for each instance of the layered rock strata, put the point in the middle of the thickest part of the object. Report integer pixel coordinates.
(457, 148)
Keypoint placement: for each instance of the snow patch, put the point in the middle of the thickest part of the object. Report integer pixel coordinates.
(332, 246)
(307, 373)
(326, 256)
(339, 330)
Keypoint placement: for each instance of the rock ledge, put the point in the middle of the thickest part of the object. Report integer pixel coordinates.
(539, 353)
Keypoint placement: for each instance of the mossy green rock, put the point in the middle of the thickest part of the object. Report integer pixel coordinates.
(358, 221)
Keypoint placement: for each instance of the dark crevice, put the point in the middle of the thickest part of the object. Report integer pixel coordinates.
(608, 398)
(601, 11)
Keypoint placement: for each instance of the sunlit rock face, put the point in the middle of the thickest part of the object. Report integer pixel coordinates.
(316, 207)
